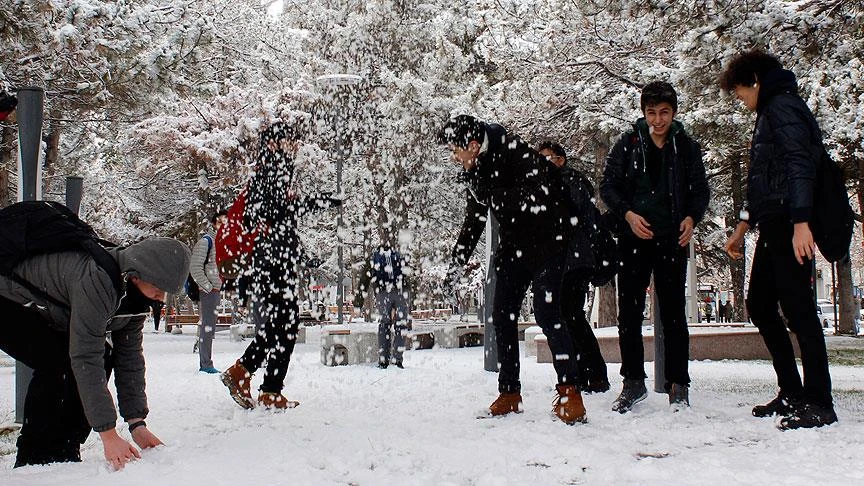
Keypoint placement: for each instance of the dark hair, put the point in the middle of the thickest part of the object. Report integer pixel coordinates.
(657, 92)
(555, 148)
(461, 131)
(279, 131)
(217, 215)
(745, 68)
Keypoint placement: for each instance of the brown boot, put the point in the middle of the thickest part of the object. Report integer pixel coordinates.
(239, 382)
(506, 403)
(568, 405)
(275, 400)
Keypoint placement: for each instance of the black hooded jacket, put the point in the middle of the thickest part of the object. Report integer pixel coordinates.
(686, 173)
(524, 193)
(784, 153)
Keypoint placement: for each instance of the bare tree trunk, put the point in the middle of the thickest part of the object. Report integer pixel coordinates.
(52, 153)
(845, 296)
(7, 161)
(737, 268)
(607, 312)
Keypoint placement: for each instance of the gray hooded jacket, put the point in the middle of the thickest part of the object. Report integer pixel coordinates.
(74, 278)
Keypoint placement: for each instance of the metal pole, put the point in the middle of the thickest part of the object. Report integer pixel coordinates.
(693, 302)
(490, 346)
(340, 289)
(834, 298)
(74, 191)
(659, 346)
(29, 113)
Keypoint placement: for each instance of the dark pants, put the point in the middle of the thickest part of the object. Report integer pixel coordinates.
(668, 261)
(275, 294)
(777, 277)
(513, 278)
(54, 422)
(393, 310)
(157, 313)
(591, 366)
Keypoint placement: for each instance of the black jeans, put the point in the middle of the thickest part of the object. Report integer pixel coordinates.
(513, 278)
(54, 422)
(668, 261)
(275, 292)
(591, 366)
(776, 276)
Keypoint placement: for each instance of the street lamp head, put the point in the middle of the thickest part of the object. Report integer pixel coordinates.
(336, 80)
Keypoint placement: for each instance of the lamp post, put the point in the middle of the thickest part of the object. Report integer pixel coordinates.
(333, 84)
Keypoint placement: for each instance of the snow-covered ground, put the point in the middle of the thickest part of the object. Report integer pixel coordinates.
(358, 425)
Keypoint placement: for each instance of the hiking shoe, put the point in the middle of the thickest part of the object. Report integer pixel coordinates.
(506, 403)
(633, 392)
(679, 397)
(780, 405)
(807, 416)
(399, 365)
(211, 370)
(597, 386)
(568, 405)
(239, 382)
(275, 401)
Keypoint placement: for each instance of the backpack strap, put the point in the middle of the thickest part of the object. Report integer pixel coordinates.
(102, 259)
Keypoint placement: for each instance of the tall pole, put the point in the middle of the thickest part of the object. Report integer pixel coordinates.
(74, 191)
(490, 346)
(332, 83)
(340, 288)
(30, 105)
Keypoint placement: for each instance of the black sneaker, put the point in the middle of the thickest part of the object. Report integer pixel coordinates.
(807, 416)
(679, 396)
(634, 391)
(383, 366)
(780, 405)
(399, 365)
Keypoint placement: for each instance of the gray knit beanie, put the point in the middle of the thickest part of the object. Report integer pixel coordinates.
(163, 262)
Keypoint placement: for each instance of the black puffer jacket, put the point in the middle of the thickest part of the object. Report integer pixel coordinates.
(784, 152)
(525, 196)
(686, 175)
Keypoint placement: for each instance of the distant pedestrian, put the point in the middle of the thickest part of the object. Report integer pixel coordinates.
(203, 269)
(785, 155)
(721, 312)
(386, 278)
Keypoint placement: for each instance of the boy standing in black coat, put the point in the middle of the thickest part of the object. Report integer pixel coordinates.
(784, 158)
(517, 185)
(655, 181)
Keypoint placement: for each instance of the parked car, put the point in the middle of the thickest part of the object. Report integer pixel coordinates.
(826, 314)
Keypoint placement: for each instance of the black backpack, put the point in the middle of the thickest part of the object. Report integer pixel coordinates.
(32, 228)
(833, 220)
(604, 249)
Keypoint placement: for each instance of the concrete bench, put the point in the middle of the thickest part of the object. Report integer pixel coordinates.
(706, 343)
(458, 335)
(223, 321)
(341, 345)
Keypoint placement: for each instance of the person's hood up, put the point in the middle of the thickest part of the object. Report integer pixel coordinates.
(774, 82)
(163, 262)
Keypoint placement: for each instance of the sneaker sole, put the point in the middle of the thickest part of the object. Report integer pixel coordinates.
(236, 394)
(639, 399)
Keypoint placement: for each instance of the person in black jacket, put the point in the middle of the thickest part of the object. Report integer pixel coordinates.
(274, 209)
(655, 181)
(784, 152)
(518, 186)
(580, 194)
